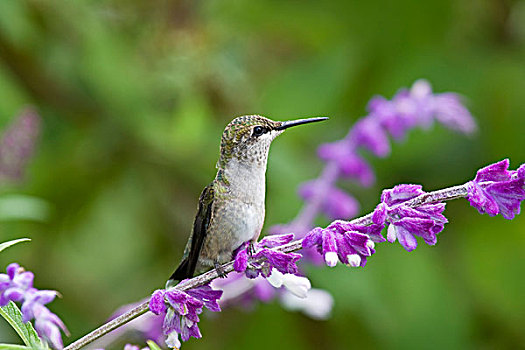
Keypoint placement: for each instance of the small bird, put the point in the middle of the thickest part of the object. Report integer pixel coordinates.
(231, 208)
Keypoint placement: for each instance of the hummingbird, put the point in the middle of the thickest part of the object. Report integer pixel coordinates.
(232, 207)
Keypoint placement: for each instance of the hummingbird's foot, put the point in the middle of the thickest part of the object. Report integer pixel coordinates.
(251, 249)
(219, 269)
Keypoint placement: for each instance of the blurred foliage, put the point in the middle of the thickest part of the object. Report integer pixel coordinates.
(134, 96)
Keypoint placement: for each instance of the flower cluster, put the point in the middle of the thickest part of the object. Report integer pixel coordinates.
(17, 285)
(350, 244)
(496, 190)
(285, 263)
(181, 309)
(405, 223)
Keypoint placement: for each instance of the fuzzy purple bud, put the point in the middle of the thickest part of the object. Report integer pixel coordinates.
(156, 302)
(241, 260)
(400, 193)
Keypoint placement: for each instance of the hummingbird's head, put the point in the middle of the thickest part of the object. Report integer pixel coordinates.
(248, 138)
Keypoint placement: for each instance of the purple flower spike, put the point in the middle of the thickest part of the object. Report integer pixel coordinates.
(496, 190)
(418, 107)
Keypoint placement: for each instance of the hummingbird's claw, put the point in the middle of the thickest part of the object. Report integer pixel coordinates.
(251, 249)
(219, 269)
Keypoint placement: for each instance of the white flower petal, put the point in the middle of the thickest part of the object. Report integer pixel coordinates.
(297, 285)
(391, 233)
(370, 244)
(331, 259)
(317, 304)
(173, 341)
(276, 278)
(354, 260)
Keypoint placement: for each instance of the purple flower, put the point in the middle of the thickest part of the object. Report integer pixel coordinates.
(400, 193)
(17, 285)
(283, 262)
(273, 241)
(14, 284)
(272, 259)
(207, 295)
(157, 305)
(241, 260)
(337, 204)
(48, 325)
(341, 241)
(181, 310)
(405, 223)
(496, 190)
(34, 297)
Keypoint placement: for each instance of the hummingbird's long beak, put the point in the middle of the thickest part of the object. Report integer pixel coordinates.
(289, 123)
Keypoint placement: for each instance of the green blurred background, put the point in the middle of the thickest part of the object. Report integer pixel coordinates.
(134, 96)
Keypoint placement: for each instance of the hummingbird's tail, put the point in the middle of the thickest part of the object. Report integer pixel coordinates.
(182, 272)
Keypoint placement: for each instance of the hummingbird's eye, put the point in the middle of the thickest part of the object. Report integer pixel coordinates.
(258, 131)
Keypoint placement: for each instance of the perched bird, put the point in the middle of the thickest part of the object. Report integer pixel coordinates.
(231, 209)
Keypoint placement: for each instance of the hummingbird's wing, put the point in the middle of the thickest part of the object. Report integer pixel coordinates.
(187, 267)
